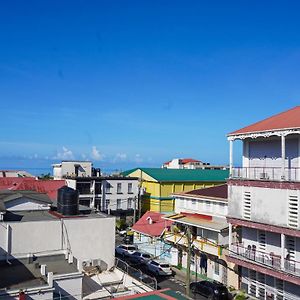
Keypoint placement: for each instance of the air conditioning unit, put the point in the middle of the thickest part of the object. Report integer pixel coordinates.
(87, 263)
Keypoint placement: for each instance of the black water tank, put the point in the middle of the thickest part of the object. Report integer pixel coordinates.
(67, 201)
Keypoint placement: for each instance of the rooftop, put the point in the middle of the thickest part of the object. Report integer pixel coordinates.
(30, 216)
(49, 187)
(215, 192)
(289, 119)
(21, 274)
(183, 175)
(157, 227)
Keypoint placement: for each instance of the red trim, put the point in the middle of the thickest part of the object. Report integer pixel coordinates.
(264, 270)
(198, 216)
(266, 227)
(265, 184)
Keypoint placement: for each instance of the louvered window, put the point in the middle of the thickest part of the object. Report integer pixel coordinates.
(293, 212)
(247, 206)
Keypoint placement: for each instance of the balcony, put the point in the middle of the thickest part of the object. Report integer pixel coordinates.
(270, 260)
(266, 173)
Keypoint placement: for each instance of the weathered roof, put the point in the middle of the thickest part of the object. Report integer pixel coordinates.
(196, 175)
(8, 195)
(219, 191)
(156, 228)
(49, 187)
(289, 119)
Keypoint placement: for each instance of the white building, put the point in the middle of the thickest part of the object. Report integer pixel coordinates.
(204, 211)
(48, 255)
(190, 163)
(72, 169)
(116, 195)
(264, 202)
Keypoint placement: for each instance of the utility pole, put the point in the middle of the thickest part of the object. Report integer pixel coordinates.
(188, 265)
(139, 202)
(134, 210)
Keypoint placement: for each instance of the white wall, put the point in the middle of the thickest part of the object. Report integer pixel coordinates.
(200, 206)
(268, 205)
(69, 285)
(88, 238)
(112, 196)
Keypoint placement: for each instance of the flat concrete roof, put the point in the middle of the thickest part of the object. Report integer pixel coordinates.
(20, 274)
(39, 215)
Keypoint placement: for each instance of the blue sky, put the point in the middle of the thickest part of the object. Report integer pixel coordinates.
(128, 83)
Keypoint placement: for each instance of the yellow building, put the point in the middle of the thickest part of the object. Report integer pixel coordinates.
(159, 184)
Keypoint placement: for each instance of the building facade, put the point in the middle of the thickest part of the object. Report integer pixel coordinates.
(190, 163)
(204, 211)
(158, 184)
(264, 203)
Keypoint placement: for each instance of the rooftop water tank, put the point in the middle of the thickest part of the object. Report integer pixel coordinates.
(67, 201)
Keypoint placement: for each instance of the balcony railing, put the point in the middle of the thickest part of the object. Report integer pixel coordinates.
(268, 259)
(266, 173)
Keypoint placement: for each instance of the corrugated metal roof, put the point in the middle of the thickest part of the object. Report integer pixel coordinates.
(181, 175)
(289, 119)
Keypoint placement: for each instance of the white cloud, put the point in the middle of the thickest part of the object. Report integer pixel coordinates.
(64, 154)
(96, 155)
(120, 157)
(138, 158)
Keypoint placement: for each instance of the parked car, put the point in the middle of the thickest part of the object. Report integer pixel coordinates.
(211, 290)
(125, 250)
(128, 239)
(159, 267)
(139, 257)
(125, 232)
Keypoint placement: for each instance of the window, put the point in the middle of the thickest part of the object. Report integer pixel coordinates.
(118, 203)
(217, 268)
(107, 188)
(293, 212)
(129, 203)
(119, 188)
(261, 240)
(247, 206)
(194, 201)
(107, 203)
(129, 188)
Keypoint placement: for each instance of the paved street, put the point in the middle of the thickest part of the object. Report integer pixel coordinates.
(172, 282)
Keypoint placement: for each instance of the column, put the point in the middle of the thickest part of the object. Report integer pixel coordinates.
(230, 235)
(230, 157)
(282, 157)
(282, 250)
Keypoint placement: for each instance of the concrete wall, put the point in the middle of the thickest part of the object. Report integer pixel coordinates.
(67, 168)
(269, 206)
(69, 286)
(87, 238)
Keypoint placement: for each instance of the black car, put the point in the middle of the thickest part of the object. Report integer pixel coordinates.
(211, 290)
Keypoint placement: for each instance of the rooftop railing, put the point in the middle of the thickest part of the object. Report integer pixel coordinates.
(266, 173)
(268, 259)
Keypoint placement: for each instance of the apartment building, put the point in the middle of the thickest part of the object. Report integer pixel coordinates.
(204, 211)
(264, 198)
(190, 163)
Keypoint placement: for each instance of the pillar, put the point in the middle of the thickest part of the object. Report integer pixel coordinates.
(230, 235)
(230, 157)
(282, 157)
(282, 250)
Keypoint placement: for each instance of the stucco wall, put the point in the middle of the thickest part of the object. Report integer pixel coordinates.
(25, 204)
(88, 238)
(268, 205)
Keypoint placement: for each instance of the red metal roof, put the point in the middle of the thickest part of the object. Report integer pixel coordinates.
(49, 187)
(219, 191)
(289, 119)
(156, 228)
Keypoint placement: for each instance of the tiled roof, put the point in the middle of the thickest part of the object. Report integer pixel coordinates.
(289, 119)
(49, 187)
(219, 191)
(156, 228)
(184, 175)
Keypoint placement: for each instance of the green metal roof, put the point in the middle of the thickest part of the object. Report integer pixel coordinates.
(161, 174)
